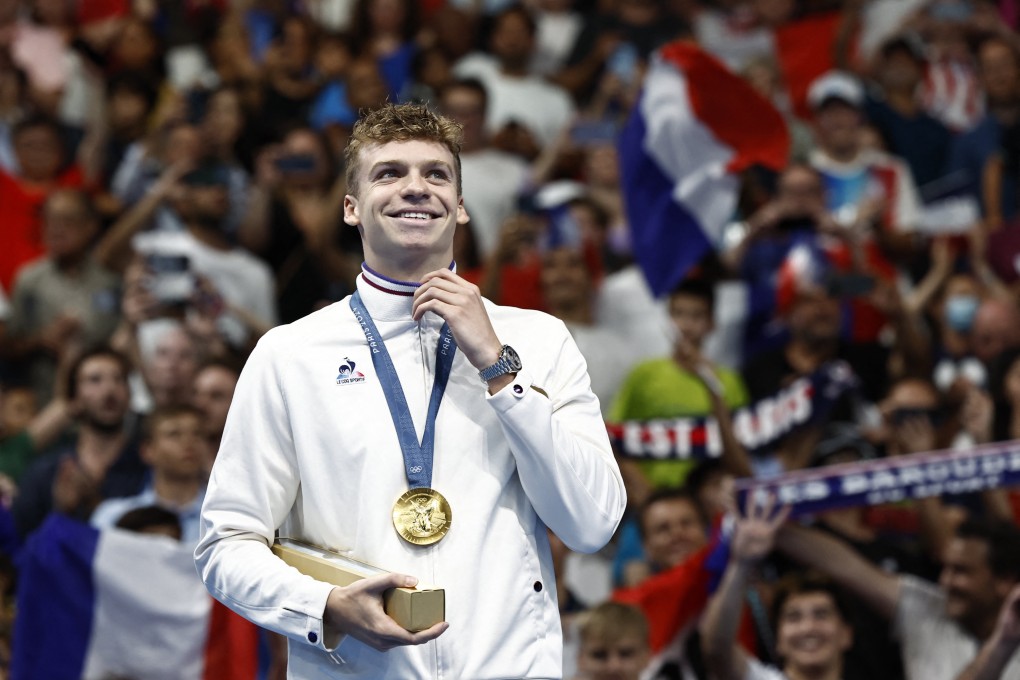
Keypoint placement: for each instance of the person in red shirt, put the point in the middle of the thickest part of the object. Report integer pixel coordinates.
(39, 150)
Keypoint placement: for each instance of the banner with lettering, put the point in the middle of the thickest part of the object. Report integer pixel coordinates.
(757, 426)
(890, 480)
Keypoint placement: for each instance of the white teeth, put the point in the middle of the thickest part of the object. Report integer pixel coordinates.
(415, 215)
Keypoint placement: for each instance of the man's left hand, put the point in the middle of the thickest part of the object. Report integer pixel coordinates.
(460, 304)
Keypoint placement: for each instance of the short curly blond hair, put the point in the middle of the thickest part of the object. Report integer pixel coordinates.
(401, 123)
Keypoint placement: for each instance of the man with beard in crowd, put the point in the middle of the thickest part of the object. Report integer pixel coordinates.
(101, 461)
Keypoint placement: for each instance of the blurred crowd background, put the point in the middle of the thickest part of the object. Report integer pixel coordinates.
(171, 187)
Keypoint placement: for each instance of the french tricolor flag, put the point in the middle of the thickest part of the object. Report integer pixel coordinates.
(696, 126)
(115, 604)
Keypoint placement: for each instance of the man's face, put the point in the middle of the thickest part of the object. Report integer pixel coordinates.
(178, 448)
(815, 317)
(672, 531)
(512, 41)
(838, 127)
(68, 228)
(620, 659)
(811, 634)
(39, 153)
(407, 205)
(205, 204)
(800, 190)
(102, 392)
(692, 317)
(901, 71)
(467, 107)
(999, 73)
(565, 279)
(214, 388)
(365, 85)
(173, 363)
(973, 593)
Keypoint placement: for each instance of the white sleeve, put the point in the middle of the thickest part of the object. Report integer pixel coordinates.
(756, 670)
(252, 489)
(919, 601)
(562, 450)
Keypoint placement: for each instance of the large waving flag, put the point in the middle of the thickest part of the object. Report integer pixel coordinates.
(114, 604)
(696, 126)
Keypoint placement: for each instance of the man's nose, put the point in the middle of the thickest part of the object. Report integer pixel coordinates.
(414, 185)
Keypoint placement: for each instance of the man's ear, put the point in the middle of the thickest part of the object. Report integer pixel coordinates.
(352, 215)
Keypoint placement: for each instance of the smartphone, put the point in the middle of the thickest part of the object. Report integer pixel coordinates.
(293, 164)
(850, 285)
(172, 281)
(623, 62)
(593, 132)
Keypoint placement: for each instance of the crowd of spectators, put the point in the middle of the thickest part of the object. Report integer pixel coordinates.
(171, 187)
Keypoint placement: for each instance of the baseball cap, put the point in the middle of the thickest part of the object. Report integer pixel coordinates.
(838, 86)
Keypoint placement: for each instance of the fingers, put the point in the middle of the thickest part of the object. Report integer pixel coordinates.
(429, 634)
(780, 517)
(384, 582)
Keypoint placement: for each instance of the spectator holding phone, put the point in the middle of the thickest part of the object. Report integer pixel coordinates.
(201, 197)
(525, 112)
(293, 223)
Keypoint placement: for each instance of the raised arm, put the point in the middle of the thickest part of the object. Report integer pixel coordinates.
(843, 564)
(556, 433)
(753, 539)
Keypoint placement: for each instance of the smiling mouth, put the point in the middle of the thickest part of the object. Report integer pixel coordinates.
(414, 215)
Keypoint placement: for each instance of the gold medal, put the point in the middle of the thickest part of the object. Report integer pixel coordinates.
(422, 516)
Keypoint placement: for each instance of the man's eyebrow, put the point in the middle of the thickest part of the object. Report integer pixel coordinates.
(403, 163)
(386, 164)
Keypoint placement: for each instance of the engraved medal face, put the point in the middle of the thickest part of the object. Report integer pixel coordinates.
(422, 516)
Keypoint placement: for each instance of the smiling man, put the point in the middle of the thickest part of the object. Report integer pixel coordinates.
(945, 628)
(812, 632)
(415, 390)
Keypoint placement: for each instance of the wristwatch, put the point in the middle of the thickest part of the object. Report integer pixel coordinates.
(508, 362)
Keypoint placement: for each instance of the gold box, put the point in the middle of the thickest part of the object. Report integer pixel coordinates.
(415, 609)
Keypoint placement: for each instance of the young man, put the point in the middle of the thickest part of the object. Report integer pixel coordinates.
(675, 386)
(311, 449)
(101, 461)
(941, 627)
(174, 447)
(812, 633)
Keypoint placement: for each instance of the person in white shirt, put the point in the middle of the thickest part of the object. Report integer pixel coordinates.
(493, 179)
(516, 97)
(313, 445)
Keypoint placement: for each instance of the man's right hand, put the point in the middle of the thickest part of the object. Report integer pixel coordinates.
(756, 530)
(357, 610)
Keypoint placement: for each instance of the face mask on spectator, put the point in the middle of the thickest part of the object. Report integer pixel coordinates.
(960, 311)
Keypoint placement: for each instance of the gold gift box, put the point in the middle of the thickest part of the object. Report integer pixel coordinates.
(414, 609)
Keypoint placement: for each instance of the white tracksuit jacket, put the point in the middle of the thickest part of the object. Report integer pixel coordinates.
(320, 461)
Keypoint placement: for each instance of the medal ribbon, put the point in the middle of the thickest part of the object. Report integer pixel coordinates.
(417, 456)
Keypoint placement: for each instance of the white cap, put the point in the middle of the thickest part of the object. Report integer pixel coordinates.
(836, 85)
